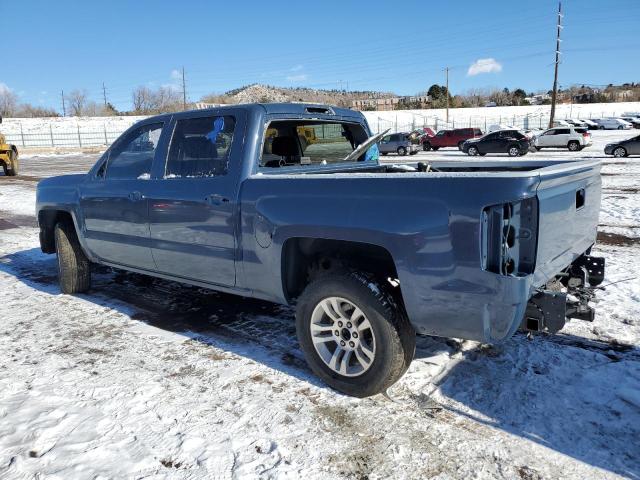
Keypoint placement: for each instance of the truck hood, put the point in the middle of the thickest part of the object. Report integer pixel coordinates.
(62, 181)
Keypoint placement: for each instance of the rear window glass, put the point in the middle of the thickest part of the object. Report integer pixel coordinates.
(302, 143)
(581, 130)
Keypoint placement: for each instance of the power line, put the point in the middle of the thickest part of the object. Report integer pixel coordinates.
(184, 91)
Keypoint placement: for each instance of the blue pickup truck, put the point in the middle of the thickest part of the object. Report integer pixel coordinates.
(290, 203)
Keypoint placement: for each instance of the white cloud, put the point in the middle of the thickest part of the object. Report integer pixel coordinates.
(301, 77)
(4, 89)
(176, 74)
(484, 65)
(297, 68)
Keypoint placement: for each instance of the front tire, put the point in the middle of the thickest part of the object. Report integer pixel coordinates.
(426, 146)
(11, 170)
(353, 335)
(619, 152)
(74, 269)
(472, 151)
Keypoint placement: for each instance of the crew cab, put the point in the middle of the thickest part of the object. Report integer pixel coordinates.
(450, 138)
(289, 203)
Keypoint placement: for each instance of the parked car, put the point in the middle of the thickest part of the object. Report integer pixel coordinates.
(561, 123)
(591, 125)
(576, 123)
(512, 142)
(634, 121)
(612, 124)
(623, 148)
(574, 139)
(495, 127)
(450, 138)
(369, 254)
(399, 143)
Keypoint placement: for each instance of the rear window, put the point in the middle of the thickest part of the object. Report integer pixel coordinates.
(581, 130)
(302, 143)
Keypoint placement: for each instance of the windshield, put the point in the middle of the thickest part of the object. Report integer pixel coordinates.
(303, 143)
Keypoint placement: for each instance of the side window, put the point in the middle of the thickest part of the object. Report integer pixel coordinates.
(562, 131)
(133, 154)
(386, 139)
(200, 147)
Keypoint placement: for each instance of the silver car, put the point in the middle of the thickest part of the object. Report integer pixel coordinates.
(399, 143)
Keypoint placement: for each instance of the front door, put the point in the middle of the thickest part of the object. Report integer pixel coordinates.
(192, 204)
(113, 204)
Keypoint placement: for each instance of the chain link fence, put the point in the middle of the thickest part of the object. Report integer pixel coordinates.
(77, 138)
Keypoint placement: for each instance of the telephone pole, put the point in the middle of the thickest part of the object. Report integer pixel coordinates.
(104, 94)
(184, 92)
(64, 108)
(554, 93)
(446, 69)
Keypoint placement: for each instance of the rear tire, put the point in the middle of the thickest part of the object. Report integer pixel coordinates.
(435, 148)
(460, 145)
(402, 151)
(573, 146)
(538, 148)
(513, 151)
(620, 127)
(361, 365)
(13, 171)
(472, 151)
(74, 270)
(426, 146)
(600, 127)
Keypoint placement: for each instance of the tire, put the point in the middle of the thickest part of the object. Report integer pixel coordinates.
(600, 127)
(513, 151)
(13, 171)
(389, 336)
(620, 127)
(472, 151)
(402, 151)
(573, 146)
(538, 148)
(481, 154)
(4, 169)
(460, 145)
(435, 149)
(384, 154)
(426, 146)
(619, 152)
(74, 270)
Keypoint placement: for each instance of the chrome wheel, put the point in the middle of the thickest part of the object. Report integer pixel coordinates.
(473, 151)
(513, 152)
(619, 152)
(342, 336)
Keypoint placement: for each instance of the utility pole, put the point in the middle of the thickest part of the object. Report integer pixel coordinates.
(104, 94)
(554, 93)
(64, 108)
(184, 92)
(446, 69)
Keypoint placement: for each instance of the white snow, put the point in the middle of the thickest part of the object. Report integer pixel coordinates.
(139, 380)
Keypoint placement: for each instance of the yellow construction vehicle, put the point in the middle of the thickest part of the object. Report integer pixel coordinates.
(8, 156)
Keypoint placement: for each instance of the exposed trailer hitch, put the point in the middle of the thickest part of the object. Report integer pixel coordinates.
(566, 297)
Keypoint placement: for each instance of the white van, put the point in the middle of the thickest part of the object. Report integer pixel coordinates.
(612, 124)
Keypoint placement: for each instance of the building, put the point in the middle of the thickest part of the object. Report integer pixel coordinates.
(391, 103)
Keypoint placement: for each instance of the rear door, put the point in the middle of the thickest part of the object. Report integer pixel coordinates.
(193, 210)
(561, 138)
(113, 202)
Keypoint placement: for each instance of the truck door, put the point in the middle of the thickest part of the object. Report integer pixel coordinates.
(193, 211)
(113, 205)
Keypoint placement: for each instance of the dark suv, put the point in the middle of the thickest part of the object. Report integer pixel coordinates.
(512, 142)
(450, 138)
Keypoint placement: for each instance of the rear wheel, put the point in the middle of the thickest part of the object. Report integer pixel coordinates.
(619, 152)
(472, 151)
(435, 148)
(460, 145)
(11, 169)
(620, 127)
(383, 153)
(601, 127)
(402, 151)
(573, 146)
(74, 271)
(426, 146)
(538, 148)
(513, 151)
(353, 335)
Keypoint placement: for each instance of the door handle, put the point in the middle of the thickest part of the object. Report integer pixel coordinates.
(134, 196)
(215, 199)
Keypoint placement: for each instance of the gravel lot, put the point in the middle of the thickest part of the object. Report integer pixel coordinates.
(145, 378)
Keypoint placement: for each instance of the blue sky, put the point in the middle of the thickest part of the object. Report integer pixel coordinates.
(399, 46)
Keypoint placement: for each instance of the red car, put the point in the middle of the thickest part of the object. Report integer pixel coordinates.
(450, 138)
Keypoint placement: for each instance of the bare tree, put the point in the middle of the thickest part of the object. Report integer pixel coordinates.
(77, 101)
(8, 101)
(164, 99)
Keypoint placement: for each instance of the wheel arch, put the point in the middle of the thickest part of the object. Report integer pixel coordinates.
(47, 220)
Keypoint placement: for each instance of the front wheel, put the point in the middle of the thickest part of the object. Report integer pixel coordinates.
(11, 170)
(620, 127)
(353, 335)
(426, 146)
(435, 149)
(460, 145)
(74, 269)
(472, 151)
(538, 148)
(620, 152)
